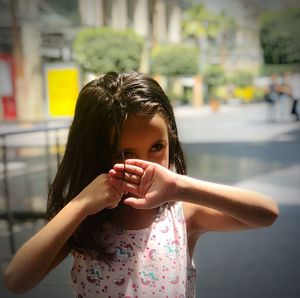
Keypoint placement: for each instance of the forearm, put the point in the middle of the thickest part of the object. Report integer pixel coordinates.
(33, 259)
(252, 208)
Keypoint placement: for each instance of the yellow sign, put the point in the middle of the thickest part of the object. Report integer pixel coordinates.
(63, 89)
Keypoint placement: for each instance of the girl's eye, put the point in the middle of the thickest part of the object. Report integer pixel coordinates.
(157, 147)
(128, 155)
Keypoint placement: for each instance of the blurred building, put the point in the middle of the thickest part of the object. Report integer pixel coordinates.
(243, 50)
(157, 20)
(35, 32)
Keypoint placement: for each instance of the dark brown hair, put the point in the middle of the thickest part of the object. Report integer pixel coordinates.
(92, 147)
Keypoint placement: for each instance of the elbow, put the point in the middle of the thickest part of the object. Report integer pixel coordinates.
(13, 284)
(270, 217)
(274, 216)
(274, 213)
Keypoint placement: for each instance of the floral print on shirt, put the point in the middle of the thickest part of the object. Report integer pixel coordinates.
(151, 262)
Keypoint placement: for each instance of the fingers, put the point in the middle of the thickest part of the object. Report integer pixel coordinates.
(132, 173)
(132, 169)
(138, 163)
(136, 203)
(125, 186)
(129, 177)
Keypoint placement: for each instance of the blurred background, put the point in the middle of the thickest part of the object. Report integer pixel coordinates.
(231, 71)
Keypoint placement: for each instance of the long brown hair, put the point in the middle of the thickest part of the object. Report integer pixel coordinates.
(102, 107)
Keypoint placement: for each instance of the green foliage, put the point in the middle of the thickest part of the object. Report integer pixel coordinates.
(241, 78)
(258, 94)
(175, 59)
(104, 49)
(199, 22)
(268, 69)
(214, 76)
(280, 38)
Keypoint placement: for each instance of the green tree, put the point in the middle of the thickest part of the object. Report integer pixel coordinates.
(202, 26)
(171, 61)
(241, 78)
(280, 38)
(174, 60)
(104, 49)
(214, 76)
(198, 22)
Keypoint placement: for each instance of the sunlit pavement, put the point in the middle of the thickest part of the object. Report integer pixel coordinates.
(236, 146)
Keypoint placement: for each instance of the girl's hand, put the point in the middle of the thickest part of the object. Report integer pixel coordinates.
(100, 194)
(152, 184)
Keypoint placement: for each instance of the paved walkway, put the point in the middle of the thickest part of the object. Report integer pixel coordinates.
(244, 149)
(242, 125)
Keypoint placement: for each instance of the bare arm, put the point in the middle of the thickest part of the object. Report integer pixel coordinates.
(47, 248)
(158, 185)
(248, 209)
(35, 257)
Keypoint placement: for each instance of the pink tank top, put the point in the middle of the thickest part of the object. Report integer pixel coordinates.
(151, 262)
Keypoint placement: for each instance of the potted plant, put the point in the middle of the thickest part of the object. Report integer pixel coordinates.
(214, 101)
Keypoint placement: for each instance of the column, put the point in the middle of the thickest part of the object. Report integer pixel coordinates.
(119, 14)
(174, 26)
(141, 18)
(91, 12)
(29, 82)
(159, 22)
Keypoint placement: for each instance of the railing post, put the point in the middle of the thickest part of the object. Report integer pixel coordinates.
(9, 215)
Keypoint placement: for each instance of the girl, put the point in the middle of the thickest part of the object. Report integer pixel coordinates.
(121, 203)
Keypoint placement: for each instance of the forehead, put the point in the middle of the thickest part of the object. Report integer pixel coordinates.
(144, 127)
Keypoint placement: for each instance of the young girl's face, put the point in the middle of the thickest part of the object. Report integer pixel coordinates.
(146, 137)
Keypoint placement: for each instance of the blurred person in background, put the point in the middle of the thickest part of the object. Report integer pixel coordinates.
(271, 97)
(284, 97)
(295, 92)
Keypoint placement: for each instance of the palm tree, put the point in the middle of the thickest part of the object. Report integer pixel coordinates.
(200, 25)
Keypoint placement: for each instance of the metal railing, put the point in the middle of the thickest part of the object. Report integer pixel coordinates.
(45, 136)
